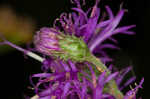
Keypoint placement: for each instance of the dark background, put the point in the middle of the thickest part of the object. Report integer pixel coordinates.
(15, 69)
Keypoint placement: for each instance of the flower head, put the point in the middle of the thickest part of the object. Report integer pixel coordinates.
(51, 42)
(81, 34)
(94, 27)
(65, 83)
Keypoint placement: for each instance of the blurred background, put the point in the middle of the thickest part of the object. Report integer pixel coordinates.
(19, 19)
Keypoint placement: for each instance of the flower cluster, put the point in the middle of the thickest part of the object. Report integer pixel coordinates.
(72, 70)
(68, 82)
(68, 42)
(65, 83)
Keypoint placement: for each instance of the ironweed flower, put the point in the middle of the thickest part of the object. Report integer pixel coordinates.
(76, 41)
(67, 45)
(94, 29)
(65, 83)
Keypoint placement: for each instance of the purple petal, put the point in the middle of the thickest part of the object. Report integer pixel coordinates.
(98, 93)
(123, 29)
(128, 32)
(72, 65)
(67, 69)
(109, 12)
(84, 89)
(46, 97)
(106, 59)
(66, 88)
(106, 33)
(103, 24)
(125, 71)
(92, 22)
(114, 40)
(132, 79)
(110, 77)
(101, 78)
(42, 75)
(109, 46)
(81, 12)
(141, 82)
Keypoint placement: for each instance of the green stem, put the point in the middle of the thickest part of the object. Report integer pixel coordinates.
(112, 87)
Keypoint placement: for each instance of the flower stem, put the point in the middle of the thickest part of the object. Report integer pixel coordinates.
(112, 87)
(27, 52)
(35, 97)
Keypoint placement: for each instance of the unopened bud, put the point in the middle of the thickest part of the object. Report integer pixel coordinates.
(46, 41)
(51, 42)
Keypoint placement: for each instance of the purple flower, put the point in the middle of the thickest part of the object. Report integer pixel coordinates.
(83, 33)
(67, 81)
(61, 83)
(89, 25)
(94, 29)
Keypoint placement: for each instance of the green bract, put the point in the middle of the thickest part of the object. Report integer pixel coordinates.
(72, 48)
